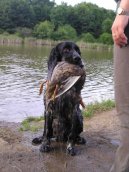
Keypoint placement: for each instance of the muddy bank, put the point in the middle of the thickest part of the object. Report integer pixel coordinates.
(102, 135)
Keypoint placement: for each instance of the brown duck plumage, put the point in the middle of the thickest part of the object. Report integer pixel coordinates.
(63, 75)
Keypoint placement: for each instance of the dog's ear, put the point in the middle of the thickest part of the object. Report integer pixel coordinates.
(53, 59)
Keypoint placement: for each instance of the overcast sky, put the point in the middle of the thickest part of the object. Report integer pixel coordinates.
(108, 4)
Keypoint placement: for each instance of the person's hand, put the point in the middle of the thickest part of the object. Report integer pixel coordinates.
(118, 27)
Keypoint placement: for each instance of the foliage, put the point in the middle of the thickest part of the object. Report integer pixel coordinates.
(106, 25)
(88, 37)
(23, 32)
(97, 107)
(106, 38)
(15, 13)
(87, 18)
(1, 31)
(60, 15)
(32, 123)
(43, 29)
(42, 9)
(20, 15)
(65, 32)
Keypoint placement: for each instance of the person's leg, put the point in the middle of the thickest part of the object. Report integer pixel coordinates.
(121, 77)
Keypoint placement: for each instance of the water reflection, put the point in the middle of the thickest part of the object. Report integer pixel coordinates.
(22, 69)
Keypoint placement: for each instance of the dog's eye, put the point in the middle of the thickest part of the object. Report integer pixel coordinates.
(66, 50)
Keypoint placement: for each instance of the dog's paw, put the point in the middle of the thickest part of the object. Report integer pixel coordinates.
(45, 148)
(80, 140)
(37, 140)
(70, 151)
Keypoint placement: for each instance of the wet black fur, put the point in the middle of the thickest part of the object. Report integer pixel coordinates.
(63, 118)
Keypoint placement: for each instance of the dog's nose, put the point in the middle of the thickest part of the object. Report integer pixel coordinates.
(76, 57)
(78, 61)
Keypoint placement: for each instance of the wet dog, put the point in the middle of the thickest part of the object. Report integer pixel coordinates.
(62, 99)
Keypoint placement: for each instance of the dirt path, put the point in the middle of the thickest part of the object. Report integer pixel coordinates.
(102, 135)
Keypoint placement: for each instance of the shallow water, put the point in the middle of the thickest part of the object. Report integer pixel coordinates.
(23, 68)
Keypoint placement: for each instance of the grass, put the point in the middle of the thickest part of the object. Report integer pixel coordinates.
(10, 39)
(98, 46)
(35, 123)
(32, 124)
(7, 38)
(97, 107)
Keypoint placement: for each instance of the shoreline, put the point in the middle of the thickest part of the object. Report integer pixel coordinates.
(101, 133)
(104, 123)
(15, 40)
(33, 123)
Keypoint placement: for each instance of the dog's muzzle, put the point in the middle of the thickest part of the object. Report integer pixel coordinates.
(77, 59)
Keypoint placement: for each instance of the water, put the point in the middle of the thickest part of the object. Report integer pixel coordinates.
(23, 68)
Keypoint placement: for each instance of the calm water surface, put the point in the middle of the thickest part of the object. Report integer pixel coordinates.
(22, 69)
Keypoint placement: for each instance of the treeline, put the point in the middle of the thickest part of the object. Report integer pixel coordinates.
(44, 19)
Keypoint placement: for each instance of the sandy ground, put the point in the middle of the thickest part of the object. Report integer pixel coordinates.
(102, 135)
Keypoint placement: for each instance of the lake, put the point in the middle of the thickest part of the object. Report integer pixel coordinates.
(23, 68)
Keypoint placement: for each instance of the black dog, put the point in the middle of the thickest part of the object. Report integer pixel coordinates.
(64, 111)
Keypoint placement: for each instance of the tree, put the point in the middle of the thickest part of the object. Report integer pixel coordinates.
(15, 13)
(106, 25)
(42, 9)
(44, 29)
(87, 18)
(106, 38)
(60, 15)
(65, 32)
(87, 37)
(21, 14)
(83, 17)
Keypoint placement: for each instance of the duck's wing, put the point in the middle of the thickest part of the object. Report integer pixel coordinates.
(67, 84)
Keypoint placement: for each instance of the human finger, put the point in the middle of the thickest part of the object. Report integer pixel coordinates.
(122, 35)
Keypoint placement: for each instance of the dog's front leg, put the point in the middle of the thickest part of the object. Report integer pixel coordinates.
(45, 147)
(72, 136)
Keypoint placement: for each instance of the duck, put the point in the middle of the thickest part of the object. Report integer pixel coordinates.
(65, 75)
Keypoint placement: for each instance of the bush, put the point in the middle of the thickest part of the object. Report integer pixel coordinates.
(88, 37)
(65, 32)
(6, 33)
(43, 30)
(106, 25)
(23, 32)
(106, 38)
(1, 31)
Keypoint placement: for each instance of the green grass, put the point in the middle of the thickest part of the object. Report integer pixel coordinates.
(35, 123)
(33, 119)
(32, 124)
(97, 107)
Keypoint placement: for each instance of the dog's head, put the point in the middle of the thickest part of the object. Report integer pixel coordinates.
(64, 51)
